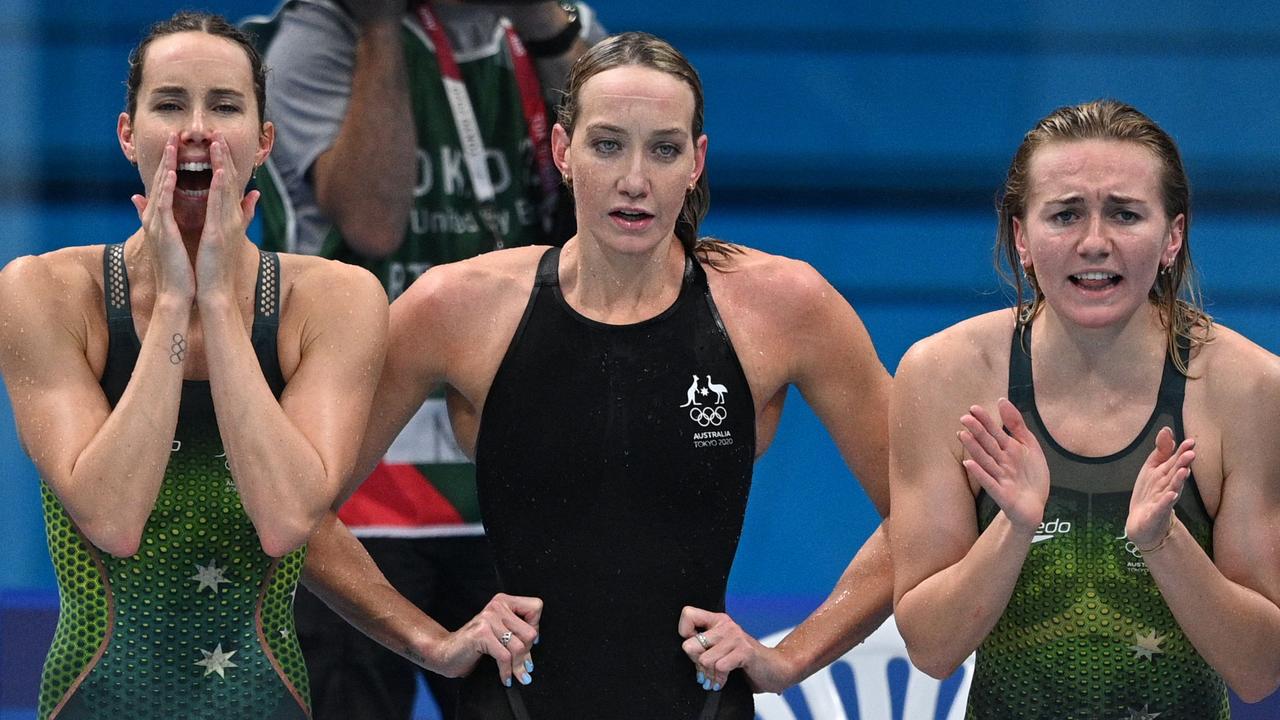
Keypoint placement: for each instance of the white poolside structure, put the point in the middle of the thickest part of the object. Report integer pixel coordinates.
(869, 663)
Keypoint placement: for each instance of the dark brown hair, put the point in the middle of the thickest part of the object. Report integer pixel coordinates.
(189, 21)
(1174, 292)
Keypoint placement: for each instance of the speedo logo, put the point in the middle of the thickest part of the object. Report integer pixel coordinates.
(1050, 529)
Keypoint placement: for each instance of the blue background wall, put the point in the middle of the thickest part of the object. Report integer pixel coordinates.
(866, 140)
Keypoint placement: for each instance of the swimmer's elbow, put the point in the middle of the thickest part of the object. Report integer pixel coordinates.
(283, 532)
(278, 546)
(926, 647)
(931, 662)
(114, 539)
(1256, 688)
(284, 537)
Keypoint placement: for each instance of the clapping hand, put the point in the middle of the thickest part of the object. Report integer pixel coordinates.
(1157, 488)
(1007, 462)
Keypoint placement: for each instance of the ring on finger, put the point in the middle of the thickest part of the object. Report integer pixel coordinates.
(703, 641)
(504, 638)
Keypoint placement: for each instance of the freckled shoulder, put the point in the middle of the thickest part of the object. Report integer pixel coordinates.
(460, 317)
(1240, 377)
(982, 340)
(69, 279)
(771, 292)
(481, 285)
(312, 274)
(972, 356)
(63, 290)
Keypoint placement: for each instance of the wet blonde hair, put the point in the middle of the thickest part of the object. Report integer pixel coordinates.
(645, 50)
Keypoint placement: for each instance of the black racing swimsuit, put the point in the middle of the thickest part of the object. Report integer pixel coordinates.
(1086, 634)
(614, 463)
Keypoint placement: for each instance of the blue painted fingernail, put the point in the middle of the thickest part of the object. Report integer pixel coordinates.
(507, 682)
(716, 687)
(528, 664)
(701, 677)
(525, 679)
(706, 684)
(536, 638)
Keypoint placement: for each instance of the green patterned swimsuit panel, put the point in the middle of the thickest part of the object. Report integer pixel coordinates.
(1086, 634)
(198, 623)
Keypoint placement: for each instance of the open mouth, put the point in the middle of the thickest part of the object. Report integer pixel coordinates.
(631, 215)
(1096, 280)
(194, 179)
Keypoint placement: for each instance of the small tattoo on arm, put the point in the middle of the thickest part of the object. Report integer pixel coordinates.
(178, 351)
(415, 656)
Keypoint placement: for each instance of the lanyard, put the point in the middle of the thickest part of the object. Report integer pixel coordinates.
(464, 118)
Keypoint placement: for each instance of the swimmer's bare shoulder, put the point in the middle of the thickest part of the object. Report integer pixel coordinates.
(788, 324)
(969, 360)
(766, 299)
(458, 318)
(55, 300)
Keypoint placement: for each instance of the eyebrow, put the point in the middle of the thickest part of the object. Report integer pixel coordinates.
(1125, 200)
(179, 91)
(1112, 198)
(667, 132)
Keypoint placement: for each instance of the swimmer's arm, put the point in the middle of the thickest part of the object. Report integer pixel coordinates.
(841, 377)
(1229, 606)
(860, 602)
(950, 584)
(837, 371)
(418, 343)
(290, 458)
(365, 180)
(340, 572)
(105, 465)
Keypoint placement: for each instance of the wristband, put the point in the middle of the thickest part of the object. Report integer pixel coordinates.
(558, 44)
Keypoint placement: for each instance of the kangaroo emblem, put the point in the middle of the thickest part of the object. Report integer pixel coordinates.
(693, 393)
(719, 390)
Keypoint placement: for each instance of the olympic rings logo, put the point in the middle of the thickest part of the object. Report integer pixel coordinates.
(708, 416)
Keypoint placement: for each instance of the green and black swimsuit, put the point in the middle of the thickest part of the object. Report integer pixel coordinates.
(198, 623)
(1086, 634)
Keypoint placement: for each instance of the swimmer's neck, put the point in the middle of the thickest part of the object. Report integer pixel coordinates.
(1115, 351)
(620, 288)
